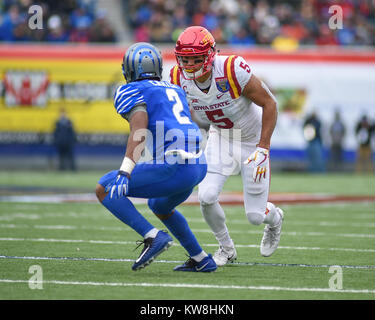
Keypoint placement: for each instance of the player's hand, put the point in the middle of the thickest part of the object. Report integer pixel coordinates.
(259, 160)
(120, 187)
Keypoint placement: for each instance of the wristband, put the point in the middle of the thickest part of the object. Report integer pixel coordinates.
(127, 165)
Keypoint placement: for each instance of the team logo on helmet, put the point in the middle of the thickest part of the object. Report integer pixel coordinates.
(208, 39)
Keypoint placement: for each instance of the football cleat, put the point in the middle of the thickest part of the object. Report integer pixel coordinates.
(271, 237)
(206, 265)
(152, 248)
(225, 255)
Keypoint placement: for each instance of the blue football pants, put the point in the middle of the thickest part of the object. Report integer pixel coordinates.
(165, 186)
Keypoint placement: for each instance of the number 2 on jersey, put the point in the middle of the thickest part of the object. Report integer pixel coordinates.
(177, 107)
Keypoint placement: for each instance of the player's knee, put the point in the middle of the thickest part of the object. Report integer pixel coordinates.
(254, 217)
(100, 192)
(159, 209)
(208, 196)
(156, 206)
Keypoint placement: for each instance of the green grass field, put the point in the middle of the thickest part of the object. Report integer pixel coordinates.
(86, 253)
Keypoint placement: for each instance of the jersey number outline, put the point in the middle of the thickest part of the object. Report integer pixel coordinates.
(216, 116)
(178, 107)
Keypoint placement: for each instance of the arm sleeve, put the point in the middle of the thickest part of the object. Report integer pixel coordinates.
(138, 108)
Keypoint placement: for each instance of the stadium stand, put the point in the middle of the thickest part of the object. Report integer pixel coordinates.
(233, 22)
(249, 22)
(78, 21)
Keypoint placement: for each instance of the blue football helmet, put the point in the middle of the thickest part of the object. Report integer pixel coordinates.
(142, 61)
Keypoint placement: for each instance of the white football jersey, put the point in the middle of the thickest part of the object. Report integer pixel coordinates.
(223, 106)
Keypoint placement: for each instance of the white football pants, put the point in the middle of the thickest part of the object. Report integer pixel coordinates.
(225, 158)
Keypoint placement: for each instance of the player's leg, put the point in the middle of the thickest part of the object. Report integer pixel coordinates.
(167, 186)
(208, 194)
(177, 181)
(147, 181)
(165, 209)
(176, 190)
(66, 158)
(72, 163)
(121, 208)
(259, 210)
(61, 159)
(155, 241)
(221, 164)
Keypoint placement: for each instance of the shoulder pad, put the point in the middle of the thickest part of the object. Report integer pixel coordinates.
(230, 74)
(175, 75)
(127, 97)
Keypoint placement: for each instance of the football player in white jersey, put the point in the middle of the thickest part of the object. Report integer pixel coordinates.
(242, 113)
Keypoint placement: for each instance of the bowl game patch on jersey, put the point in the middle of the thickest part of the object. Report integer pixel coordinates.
(222, 84)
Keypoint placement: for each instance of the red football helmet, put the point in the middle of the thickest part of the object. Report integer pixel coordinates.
(195, 42)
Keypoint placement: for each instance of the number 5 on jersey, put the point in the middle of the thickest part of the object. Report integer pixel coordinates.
(218, 117)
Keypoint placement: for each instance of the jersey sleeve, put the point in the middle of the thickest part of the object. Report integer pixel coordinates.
(126, 98)
(238, 73)
(174, 75)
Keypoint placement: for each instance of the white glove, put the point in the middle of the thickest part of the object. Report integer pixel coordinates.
(259, 160)
(183, 154)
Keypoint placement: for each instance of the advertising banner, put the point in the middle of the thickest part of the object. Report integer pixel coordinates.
(38, 82)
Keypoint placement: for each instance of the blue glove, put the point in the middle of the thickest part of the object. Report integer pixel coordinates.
(120, 187)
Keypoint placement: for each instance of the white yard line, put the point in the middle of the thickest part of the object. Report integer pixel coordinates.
(207, 244)
(247, 264)
(285, 233)
(191, 285)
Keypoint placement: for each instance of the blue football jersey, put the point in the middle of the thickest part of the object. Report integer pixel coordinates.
(169, 120)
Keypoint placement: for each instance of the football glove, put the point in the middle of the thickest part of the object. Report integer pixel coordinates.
(259, 160)
(120, 187)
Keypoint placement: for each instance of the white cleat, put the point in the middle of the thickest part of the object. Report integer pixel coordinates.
(271, 237)
(225, 255)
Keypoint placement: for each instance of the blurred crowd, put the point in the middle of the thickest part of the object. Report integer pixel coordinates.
(234, 22)
(247, 22)
(317, 161)
(63, 21)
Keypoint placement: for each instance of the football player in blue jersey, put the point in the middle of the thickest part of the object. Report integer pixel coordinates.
(160, 121)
